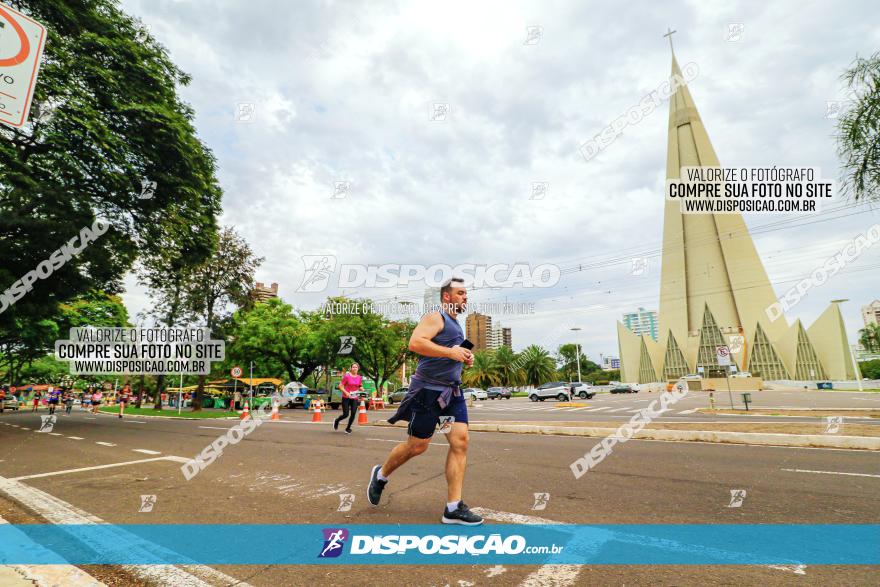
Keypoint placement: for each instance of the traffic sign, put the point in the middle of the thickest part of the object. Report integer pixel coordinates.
(22, 40)
(236, 372)
(722, 354)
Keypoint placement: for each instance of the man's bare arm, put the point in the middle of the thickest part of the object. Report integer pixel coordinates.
(420, 341)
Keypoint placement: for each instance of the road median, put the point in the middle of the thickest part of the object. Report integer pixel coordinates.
(680, 433)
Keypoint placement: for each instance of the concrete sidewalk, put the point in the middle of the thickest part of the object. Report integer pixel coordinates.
(44, 575)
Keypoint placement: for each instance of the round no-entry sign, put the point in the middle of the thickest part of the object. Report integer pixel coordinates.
(21, 44)
(236, 372)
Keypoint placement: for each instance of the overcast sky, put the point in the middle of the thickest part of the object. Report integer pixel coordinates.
(344, 92)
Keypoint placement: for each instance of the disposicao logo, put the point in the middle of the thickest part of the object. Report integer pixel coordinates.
(334, 541)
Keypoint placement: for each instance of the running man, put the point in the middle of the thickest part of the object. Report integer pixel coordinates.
(68, 402)
(54, 398)
(434, 391)
(350, 385)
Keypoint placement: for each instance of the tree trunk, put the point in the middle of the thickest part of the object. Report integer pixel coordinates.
(160, 385)
(197, 397)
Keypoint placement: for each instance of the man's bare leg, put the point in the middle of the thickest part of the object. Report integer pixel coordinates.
(456, 460)
(404, 452)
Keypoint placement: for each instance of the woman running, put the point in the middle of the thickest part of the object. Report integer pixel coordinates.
(96, 400)
(123, 398)
(350, 385)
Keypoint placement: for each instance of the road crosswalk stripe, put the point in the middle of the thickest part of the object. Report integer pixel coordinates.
(147, 452)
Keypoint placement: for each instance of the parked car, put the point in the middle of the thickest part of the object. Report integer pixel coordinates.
(582, 390)
(742, 374)
(294, 396)
(10, 403)
(398, 395)
(475, 392)
(692, 377)
(624, 388)
(499, 392)
(561, 390)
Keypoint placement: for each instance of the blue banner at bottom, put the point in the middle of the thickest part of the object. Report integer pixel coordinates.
(307, 544)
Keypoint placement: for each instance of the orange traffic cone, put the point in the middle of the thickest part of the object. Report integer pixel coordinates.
(275, 415)
(316, 415)
(246, 413)
(362, 414)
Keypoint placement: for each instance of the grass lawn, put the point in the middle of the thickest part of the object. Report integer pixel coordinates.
(184, 413)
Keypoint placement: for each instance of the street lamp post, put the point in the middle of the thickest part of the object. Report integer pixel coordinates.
(578, 353)
(851, 355)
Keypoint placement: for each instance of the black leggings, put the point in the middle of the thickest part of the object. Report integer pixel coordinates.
(349, 408)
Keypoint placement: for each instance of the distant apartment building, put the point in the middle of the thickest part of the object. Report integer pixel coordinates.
(506, 338)
(479, 330)
(261, 293)
(871, 313)
(642, 322)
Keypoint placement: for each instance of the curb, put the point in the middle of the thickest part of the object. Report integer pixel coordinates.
(754, 438)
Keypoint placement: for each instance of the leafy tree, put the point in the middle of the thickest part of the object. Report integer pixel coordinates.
(567, 360)
(869, 338)
(106, 117)
(538, 365)
(273, 334)
(509, 370)
(484, 372)
(223, 280)
(381, 345)
(858, 130)
(46, 369)
(870, 369)
(166, 275)
(93, 308)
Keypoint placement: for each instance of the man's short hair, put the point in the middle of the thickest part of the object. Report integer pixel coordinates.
(447, 285)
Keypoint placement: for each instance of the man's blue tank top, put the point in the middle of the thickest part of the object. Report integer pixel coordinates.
(441, 368)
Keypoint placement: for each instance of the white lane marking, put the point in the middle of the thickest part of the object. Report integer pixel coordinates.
(56, 511)
(689, 411)
(546, 575)
(832, 473)
(96, 467)
(147, 452)
(600, 409)
(55, 434)
(49, 574)
(76, 437)
(23, 428)
(564, 575)
(635, 410)
(136, 421)
(618, 410)
(105, 443)
(796, 569)
(216, 427)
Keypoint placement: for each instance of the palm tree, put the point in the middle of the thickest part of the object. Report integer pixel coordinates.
(509, 368)
(538, 365)
(858, 130)
(869, 338)
(483, 373)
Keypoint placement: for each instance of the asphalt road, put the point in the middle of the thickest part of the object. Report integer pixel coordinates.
(294, 471)
(621, 407)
